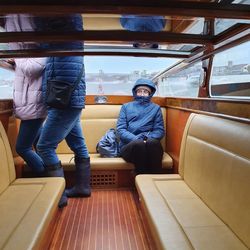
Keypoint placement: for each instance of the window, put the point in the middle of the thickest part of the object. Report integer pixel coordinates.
(231, 73)
(224, 24)
(114, 75)
(185, 83)
(6, 83)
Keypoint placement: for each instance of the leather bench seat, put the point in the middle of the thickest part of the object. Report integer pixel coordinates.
(96, 120)
(206, 205)
(27, 206)
(100, 163)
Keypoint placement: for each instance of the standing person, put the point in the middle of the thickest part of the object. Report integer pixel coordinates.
(143, 24)
(140, 128)
(65, 123)
(27, 94)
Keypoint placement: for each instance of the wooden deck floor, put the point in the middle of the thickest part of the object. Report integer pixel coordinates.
(108, 220)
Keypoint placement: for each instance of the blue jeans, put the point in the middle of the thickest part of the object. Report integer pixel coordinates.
(61, 124)
(28, 132)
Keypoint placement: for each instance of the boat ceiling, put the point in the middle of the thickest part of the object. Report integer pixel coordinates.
(192, 28)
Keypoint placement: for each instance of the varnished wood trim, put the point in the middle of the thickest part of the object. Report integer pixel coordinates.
(224, 46)
(38, 53)
(231, 109)
(207, 68)
(233, 118)
(6, 106)
(139, 7)
(5, 112)
(119, 100)
(105, 36)
(232, 31)
(180, 25)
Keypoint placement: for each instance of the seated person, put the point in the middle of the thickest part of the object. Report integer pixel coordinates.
(144, 24)
(140, 127)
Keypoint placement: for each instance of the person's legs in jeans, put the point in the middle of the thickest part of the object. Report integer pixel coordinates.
(58, 125)
(28, 132)
(135, 152)
(76, 142)
(154, 153)
(37, 138)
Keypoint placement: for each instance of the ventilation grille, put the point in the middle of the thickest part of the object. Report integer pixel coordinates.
(100, 179)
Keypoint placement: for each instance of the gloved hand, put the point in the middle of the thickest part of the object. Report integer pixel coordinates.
(143, 136)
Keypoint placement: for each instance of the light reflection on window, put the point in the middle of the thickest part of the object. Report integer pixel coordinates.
(183, 84)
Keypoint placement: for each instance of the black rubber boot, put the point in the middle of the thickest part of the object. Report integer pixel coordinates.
(56, 170)
(82, 186)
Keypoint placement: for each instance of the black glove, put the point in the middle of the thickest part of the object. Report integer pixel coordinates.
(145, 138)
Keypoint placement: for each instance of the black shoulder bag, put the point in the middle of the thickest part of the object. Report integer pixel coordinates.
(58, 93)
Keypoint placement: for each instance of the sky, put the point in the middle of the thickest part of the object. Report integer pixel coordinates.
(6, 74)
(116, 64)
(239, 55)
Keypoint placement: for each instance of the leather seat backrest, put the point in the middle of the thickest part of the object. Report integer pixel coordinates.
(215, 163)
(96, 120)
(7, 169)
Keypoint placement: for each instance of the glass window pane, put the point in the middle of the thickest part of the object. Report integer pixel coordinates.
(6, 83)
(231, 72)
(224, 24)
(185, 83)
(247, 2)
(117, 75)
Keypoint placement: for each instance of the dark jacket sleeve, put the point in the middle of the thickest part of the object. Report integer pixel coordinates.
(158, 128)
(122, 127)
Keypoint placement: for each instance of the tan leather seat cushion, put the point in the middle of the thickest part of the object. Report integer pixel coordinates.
(27, 207)
(211, 201)
(100, 163)
(180, 219)
(215, 164)
(97, 162)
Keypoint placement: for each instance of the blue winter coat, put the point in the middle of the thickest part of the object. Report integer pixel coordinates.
(140, 117)
(143, 23)
(65, 68)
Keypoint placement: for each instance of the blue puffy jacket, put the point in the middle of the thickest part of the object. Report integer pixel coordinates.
(65, 68)
(140, 117)
(143, 23)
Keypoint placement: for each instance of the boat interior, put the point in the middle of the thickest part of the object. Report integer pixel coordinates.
(199, 61)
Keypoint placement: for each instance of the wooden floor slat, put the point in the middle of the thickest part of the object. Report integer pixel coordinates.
(108, 220)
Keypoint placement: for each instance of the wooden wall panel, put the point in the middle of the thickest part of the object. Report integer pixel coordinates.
(179, 109)
(5, 112)
(236, 109)
(118, 100)
(176, 121)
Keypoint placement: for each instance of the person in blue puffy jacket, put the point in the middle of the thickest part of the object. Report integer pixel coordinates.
(143, 24)
(140, 127)
(65, 123)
